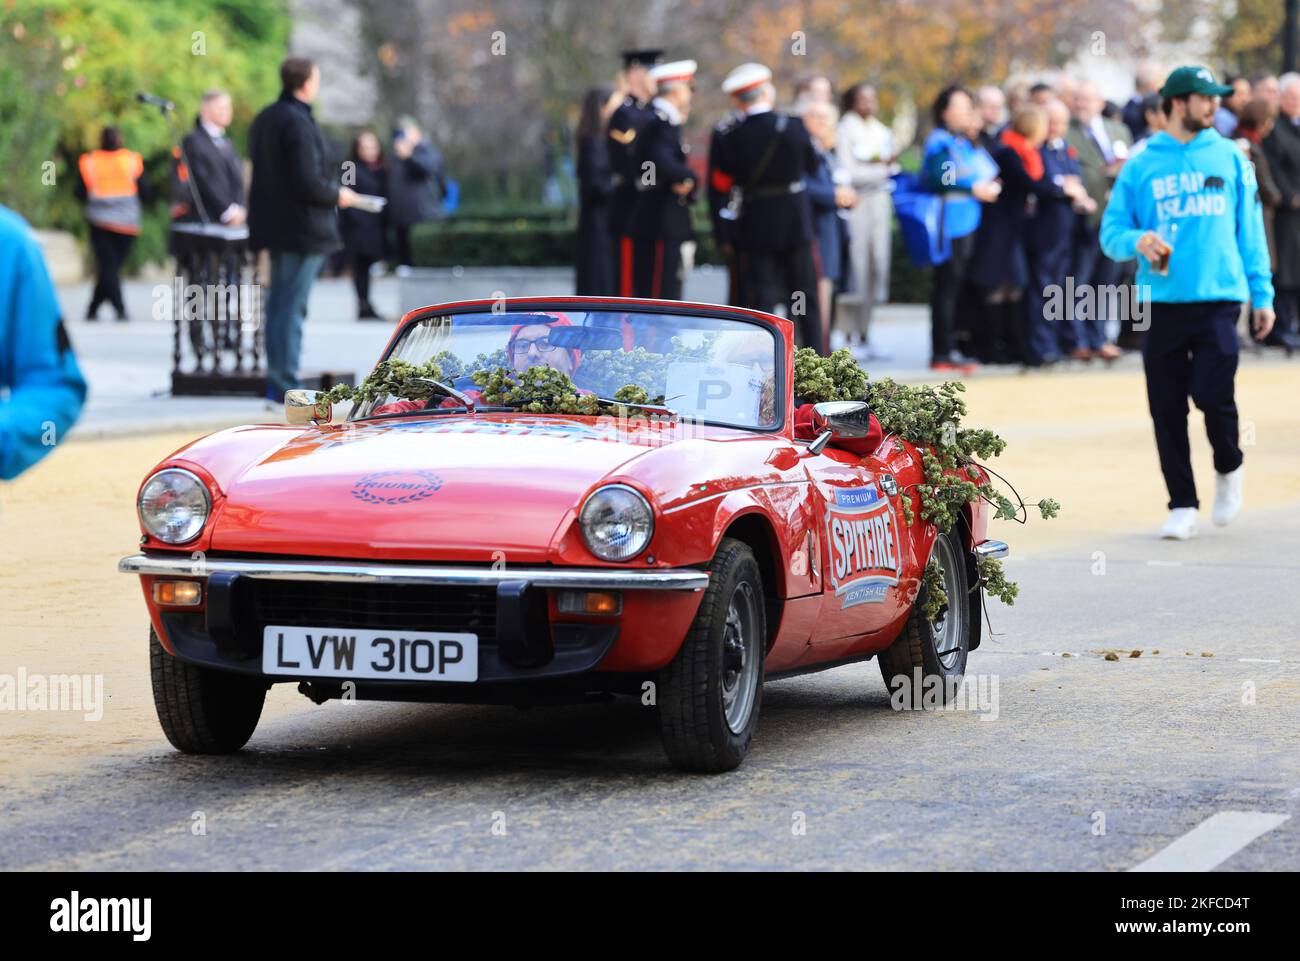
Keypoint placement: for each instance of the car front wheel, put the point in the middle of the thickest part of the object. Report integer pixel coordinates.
(709, 695)
(203, 711)
(926, 663)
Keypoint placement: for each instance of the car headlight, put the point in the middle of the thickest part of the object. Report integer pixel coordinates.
(617, 523)
(174, 506)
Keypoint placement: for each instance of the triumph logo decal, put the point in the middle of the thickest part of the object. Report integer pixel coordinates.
(391, 487)
(863, 537)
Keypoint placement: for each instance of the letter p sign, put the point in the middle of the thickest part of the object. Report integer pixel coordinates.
(712, 390)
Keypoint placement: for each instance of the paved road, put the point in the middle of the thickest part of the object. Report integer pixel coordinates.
(1156, 745)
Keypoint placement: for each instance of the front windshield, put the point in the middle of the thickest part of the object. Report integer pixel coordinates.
(715, 370)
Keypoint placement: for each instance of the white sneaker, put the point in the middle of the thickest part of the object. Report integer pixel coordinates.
(1181, 525)
(1227, 496)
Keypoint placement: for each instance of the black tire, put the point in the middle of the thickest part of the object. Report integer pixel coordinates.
(203, 711)
(917, 646)
(692, 713)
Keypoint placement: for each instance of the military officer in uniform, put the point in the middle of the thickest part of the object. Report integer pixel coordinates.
(661, 217)
(625, 124)
(762, 160)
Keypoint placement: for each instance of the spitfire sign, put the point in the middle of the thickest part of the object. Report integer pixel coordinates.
(864, 546)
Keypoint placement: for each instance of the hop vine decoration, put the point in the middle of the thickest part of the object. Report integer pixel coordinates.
(538, 390)
(399, 378)
(818, 379)
(929, 417)
(994, 581)
(545, 390)
(936, 598)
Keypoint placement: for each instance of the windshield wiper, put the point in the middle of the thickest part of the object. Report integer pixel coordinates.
(418, 411)
(450, 392)
(652, 407)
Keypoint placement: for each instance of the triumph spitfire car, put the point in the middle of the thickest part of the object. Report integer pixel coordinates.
(447, 548)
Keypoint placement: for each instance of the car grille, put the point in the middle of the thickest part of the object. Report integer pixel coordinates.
(411, 607)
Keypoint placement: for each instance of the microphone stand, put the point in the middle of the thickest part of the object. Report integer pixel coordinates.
(167, 110)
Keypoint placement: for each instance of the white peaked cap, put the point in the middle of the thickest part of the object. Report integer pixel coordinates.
(746, 77)
(677, 70)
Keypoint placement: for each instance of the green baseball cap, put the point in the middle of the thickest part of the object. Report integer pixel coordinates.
(1187, 80)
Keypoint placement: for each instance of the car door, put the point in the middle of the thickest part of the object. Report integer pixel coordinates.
(865, 545)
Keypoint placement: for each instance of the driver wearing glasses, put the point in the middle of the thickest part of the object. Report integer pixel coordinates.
(530, 345)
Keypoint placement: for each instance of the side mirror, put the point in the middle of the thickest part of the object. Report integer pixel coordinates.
(306, 407)
(839, 420)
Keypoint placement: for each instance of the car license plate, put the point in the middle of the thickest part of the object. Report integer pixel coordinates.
(371, 655)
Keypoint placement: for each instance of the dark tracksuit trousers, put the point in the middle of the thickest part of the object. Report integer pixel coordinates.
(1191, 350)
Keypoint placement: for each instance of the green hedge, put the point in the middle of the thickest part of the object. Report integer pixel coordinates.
(520, 242)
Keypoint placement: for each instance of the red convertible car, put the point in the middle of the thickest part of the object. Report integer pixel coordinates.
(447, 548)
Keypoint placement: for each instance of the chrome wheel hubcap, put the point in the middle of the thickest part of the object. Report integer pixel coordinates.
(740, 658)
(948, 628)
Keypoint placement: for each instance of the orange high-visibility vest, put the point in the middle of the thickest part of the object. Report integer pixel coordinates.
(112, 200)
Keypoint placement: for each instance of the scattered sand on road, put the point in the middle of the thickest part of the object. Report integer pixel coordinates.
(1081, 437)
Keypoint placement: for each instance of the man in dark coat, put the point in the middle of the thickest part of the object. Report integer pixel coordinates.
(626, 123)
(292, 213)
(1282, 148)
(208, 188)
(766, 157)
(214, 170)
(660, 221)
(416, 186)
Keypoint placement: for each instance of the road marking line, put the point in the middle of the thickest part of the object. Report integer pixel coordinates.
(1212, 842)
(1259, 660)
(1164, 563)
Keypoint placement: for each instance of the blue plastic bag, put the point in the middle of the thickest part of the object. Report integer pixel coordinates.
(921, 219)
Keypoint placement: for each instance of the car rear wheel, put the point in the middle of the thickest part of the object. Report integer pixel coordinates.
(926, 662)
(709, 695)
(203, 711)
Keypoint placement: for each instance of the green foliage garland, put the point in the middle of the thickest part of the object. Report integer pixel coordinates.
(539, 390)
(395, 378)
(930, 418)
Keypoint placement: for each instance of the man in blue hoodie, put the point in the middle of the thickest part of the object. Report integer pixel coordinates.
(38, 372)
(1190, 206)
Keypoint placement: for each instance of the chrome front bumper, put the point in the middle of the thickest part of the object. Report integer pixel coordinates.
(581, 578)
(991, 550)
